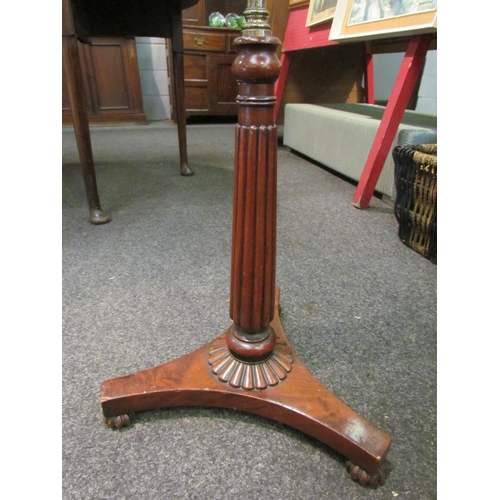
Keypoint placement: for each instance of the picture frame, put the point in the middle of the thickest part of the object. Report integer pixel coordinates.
(320, 11)
(405, 17)
(294, 4)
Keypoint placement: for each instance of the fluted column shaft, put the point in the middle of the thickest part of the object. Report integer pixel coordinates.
(253, 259)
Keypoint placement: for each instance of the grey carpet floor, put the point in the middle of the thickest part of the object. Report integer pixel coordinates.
(358, 306)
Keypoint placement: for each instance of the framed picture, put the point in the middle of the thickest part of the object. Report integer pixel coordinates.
(371, 19)
(320, 11)
(293, 4)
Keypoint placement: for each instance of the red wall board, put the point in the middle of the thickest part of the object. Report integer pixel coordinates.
(298, 36)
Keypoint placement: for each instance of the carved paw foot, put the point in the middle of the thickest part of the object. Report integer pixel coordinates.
(363, 477)
(119, 421)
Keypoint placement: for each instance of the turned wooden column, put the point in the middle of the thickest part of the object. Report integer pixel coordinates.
(253, 258)
(251, 366)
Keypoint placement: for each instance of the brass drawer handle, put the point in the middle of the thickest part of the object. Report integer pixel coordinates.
(199, 40)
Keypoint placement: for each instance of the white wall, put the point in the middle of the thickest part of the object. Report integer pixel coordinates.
(427, 93)
(152, 60)
(385, 69)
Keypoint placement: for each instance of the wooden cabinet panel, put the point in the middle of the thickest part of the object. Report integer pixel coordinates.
(112, 84)
(278, 14)
(225, 88)
(196, 78)
(231, 40)
(195, 15)
(198, 14)
(206, 41)
(331, 74)
(224, 7)
(195, 67)
(197, 99)
(105, 58)
(209, 86)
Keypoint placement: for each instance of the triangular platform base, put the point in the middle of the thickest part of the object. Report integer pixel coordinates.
(280, 388)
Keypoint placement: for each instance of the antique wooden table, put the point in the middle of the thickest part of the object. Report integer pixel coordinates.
(83, 19)
(252, 366)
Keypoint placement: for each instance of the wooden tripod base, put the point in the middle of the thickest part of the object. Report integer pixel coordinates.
(211, 376)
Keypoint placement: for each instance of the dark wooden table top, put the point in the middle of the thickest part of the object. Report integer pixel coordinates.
(118, 18)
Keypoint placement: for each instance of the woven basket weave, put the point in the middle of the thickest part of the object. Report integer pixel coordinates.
(415, 207)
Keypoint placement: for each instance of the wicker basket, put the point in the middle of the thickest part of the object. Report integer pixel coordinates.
(415, 207)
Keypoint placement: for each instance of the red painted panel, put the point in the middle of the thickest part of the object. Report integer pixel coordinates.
(411, 68)
(298, 37)
(279, 86)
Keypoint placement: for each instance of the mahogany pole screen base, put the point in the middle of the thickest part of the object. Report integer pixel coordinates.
(252, 367)
(280, 388)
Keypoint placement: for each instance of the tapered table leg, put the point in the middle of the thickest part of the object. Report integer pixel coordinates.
(76, 93)
(251, 366)
(178, 70)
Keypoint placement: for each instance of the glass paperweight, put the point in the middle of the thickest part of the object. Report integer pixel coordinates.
(216, 19)
(232, 20)
(240, 20)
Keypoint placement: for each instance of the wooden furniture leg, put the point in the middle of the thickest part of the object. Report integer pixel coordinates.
(178, 70)
(409, 73)
(252, 367)
(369, 75)
(281, 82)
(81, 125)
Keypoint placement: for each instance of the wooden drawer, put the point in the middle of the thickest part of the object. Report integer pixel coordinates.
(205, 41)
(195, 66)
(197, 100)
(232, 38)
